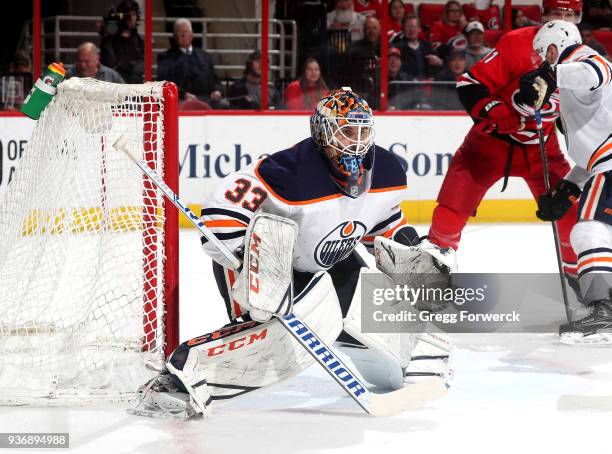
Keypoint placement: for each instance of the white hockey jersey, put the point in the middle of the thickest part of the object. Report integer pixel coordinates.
(295, 183)
(585, 95)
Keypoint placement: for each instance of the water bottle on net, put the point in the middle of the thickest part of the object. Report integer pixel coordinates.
(43, 90)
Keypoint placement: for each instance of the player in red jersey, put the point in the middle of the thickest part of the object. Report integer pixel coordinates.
(503, 141)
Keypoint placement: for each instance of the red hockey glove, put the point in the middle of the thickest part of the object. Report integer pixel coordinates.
(506, 120)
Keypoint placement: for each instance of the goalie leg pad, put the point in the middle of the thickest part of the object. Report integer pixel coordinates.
(241, 358)
(382, 356)
(394, 360)
(431, 357)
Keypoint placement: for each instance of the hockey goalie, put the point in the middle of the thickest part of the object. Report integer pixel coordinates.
(296, 219)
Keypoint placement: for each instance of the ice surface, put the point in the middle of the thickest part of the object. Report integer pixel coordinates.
(512, 393)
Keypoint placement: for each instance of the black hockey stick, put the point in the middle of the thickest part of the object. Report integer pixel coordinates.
(538, 119)
(410, 397)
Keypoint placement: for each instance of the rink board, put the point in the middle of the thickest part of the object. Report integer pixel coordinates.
(212, 146)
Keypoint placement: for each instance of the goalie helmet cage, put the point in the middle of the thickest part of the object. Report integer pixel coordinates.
(89, 248)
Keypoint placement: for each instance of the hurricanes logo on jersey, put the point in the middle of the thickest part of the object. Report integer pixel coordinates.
(549, 110)
(339, 243)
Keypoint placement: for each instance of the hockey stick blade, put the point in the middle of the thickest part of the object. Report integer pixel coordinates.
(410, 397)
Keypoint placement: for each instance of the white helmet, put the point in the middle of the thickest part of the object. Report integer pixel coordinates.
(561, 33)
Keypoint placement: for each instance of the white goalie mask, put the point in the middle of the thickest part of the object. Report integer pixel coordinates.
(343, 127)
(560, 33)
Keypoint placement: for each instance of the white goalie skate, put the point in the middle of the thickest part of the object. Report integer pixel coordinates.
(162, 398)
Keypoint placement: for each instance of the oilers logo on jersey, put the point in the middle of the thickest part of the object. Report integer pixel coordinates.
(339, 243)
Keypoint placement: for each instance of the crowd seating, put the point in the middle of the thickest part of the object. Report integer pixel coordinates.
(430, 13)
(533, 12)
(305, 34)
(605, 38)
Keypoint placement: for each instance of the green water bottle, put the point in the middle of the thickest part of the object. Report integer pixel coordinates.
(43, 90)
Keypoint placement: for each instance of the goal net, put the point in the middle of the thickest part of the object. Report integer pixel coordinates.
(89, 248)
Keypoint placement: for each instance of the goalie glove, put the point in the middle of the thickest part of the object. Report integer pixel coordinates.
(553, 206)
(535, 87)
(422, 265)
(395, 258)
(264, 286)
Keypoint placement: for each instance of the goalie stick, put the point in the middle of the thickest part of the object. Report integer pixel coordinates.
(383, 404)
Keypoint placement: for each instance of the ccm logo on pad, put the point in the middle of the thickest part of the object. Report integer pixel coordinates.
(237, 343)
(254, 263)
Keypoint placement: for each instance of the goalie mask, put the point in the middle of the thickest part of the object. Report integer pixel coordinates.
(561, 33)
(343, 127)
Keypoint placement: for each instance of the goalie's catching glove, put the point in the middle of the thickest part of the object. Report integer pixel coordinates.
(552, 207)
(423, 265)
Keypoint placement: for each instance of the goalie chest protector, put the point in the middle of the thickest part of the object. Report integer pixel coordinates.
(295, 183)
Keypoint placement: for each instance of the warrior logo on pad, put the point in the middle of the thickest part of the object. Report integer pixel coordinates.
(339, 243)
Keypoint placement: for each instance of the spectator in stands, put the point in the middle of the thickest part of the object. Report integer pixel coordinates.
(586, 31)
(419, 61)
(344, 17)
(446, 35)
(519, 20)
(88, 64)
(598, 13)
(191, 69)
(395, 72)
(444, 96)
(246, 92)
(123, 49)
(368, 7)
(21, 63)
(483, 12)
(365, 53)
(397, 11)
(456, 65)
(476, 49)
(305, 92)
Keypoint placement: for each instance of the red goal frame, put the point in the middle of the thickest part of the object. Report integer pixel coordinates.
(170, 229)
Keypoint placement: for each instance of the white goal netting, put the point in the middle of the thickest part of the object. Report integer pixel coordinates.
(82, 250)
